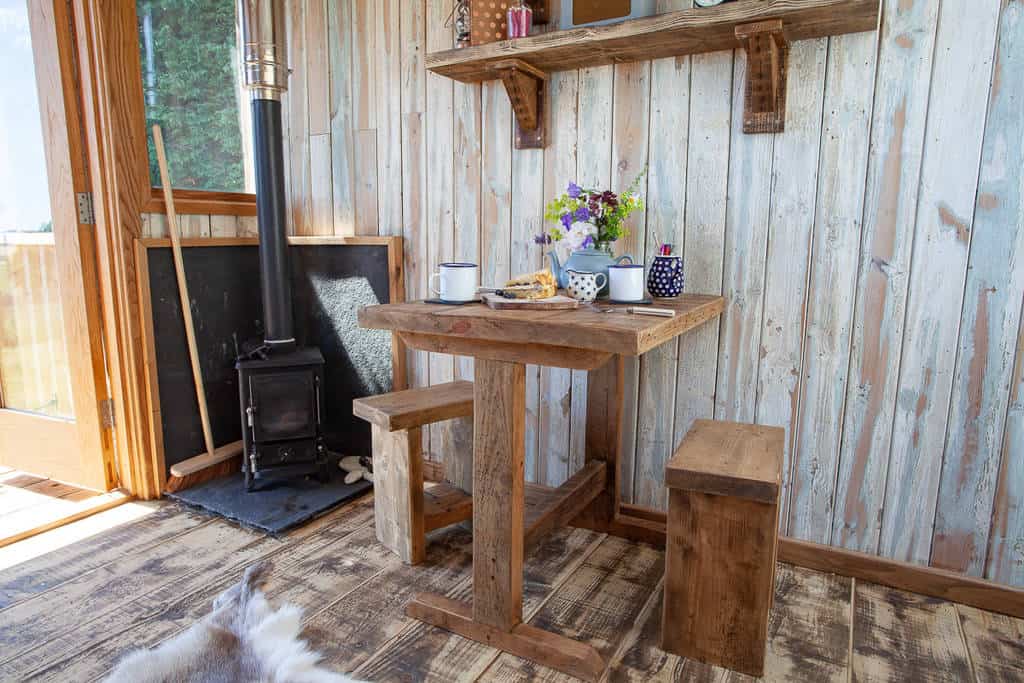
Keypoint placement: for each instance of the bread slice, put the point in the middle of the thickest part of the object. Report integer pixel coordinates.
(538, 285)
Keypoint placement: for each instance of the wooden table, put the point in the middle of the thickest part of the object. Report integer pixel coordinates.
(508, 514)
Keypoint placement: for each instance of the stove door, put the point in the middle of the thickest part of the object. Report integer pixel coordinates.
(284, 405)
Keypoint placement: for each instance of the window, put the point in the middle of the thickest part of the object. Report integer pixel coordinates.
(191, 87)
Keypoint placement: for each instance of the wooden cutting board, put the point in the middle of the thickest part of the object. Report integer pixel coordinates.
(555, 303)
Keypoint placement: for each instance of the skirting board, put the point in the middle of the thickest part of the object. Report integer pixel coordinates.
(914, 578)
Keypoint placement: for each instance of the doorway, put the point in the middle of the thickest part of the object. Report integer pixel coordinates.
(53, 387)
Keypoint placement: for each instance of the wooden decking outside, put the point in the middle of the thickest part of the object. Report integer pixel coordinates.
(69, 615)
(29, 502)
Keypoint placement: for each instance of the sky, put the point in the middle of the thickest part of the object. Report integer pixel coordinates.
(24, 196)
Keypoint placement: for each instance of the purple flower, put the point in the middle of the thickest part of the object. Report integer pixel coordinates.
(582, 214)
(575, 190)
(542, 239)
(588, 242)
(567, 220)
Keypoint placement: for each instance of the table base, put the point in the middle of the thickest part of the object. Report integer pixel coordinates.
(544, 647)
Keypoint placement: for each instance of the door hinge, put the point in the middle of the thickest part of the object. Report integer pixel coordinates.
(107, 413)
(86, 213)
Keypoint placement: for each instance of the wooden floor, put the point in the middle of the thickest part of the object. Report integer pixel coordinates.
(28, 501)
(70, 614)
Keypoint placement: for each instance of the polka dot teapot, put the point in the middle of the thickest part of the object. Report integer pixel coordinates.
(584, 285)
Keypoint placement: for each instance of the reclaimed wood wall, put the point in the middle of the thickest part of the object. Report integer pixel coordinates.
(872, 254)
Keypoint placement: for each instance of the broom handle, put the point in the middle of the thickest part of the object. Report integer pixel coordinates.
(179, 269)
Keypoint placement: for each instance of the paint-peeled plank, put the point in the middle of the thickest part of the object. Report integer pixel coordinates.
(640, 658)
(707, 185)
(388, 68)
(470, 195)
(228, 226)
(907, 42)
(560, 157)
(746, 236)
(24, 580)
(348, 632)
(593, 170)
(525, 257)
(414, 171)
(1006, 554)
(321, 201)
(790, 230)
(440, 193)
(339, 54)
(995, 643)
(901, 636)
(809, 627)
(296, 100)
(989, 323)
(956, 121)
(630, 120)
(833, 275)
(666, 211)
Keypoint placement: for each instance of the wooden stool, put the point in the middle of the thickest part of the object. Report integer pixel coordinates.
(403, 512)
(722, 529)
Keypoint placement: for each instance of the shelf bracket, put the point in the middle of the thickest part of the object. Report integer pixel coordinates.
(764, 110)
(525, 86)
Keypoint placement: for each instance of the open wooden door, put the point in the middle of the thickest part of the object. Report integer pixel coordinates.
(52, 375)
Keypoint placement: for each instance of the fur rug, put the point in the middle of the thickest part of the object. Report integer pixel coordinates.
(243, 639)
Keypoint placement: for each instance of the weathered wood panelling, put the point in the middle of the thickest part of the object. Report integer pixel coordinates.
(871, 253)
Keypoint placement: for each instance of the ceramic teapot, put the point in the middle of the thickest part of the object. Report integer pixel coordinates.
(584, 261)
(584, 286)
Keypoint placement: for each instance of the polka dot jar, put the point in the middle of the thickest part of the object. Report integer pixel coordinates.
(665, 278)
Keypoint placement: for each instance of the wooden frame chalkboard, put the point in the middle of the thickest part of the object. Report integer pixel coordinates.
(329, 275)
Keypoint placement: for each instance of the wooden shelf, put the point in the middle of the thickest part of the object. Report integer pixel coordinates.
(750, 24)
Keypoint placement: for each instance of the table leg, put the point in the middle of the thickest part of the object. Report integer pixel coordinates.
(606, 514)
(499, 414)
(494, 618)
(604, 439)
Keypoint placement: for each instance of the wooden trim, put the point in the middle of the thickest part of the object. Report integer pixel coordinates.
(203, 202)
(85, 508)
(155, 458)
(114, 124)
(914, 578)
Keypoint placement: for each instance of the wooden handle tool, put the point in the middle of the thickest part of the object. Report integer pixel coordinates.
(186, 306)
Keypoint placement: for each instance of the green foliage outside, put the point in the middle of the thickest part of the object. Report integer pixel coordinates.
(193, 98)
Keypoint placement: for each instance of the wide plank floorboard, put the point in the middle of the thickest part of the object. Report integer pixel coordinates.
(72, 613)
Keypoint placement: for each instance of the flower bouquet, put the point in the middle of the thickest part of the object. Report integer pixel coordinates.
(585, 218)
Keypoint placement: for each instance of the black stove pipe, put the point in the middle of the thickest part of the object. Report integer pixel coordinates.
(270, 209)
(265, 72)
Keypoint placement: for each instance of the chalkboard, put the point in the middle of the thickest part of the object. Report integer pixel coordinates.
(330, 283)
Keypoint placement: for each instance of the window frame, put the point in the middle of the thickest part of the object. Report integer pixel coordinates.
(186, 201)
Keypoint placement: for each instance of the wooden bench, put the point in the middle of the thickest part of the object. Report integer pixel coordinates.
(721, 535)
(403, 511)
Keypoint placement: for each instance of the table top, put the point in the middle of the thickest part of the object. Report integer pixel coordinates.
(584, 328)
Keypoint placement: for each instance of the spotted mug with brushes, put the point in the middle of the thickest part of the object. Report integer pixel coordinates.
(665, 278)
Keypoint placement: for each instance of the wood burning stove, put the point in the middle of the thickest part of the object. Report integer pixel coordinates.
(280, 386)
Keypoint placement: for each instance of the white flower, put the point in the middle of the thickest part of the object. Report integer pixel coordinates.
(578, 234)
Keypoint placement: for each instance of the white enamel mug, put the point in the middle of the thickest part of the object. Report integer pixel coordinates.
(626, 282)
(457, 282)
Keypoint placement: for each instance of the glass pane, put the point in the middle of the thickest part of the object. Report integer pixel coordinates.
(34, 372)
(190, 79)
